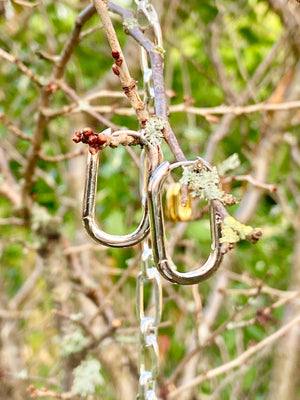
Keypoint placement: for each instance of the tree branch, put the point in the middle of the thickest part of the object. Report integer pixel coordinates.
(237, 362)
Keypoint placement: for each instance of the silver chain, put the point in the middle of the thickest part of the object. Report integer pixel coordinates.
(147, 17)
(148, 359)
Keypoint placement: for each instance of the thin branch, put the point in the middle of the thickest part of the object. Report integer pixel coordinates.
(73, 40)
(217, 62)
(90, 31)
(44, 392)
(217, 394)
(85, 247)
(176, 108)
(120, 67)
(28, 285)
(62, 157)
(251, 179)
(79, 322)
(8, 186)
(156, 60)
(84, 106)
(113, 291)
(263, 315)
(26, 71)
(293, 143)
(10, 194)
(208, 341)
(236, 110)
(227, 120)
(14, 129)
(13, 314)
(257, 283)
(27, 3)
(237, 362)
(11, 221)
(44, 102)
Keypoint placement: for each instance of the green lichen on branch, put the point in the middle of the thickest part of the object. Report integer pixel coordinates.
(87, 377)
(73, 343)
(203, 183)
(130, 23)
(154, 130)
(229, 164)
(233, 231)
(43, 224)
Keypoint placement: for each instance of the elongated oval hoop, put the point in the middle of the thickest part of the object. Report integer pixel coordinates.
(162, 261)
(89, 202)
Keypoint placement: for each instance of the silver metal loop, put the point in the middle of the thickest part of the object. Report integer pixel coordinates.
(149, 352)
(162, 261)
(148, 12)
(150, 395)
(147, 77)
(146, 387)
(89, 200)
(148, 361)
(153, 277)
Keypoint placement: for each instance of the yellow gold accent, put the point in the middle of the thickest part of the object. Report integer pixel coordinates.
(174, 209)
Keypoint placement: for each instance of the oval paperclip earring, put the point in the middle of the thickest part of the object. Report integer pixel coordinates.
(89, 201)
(163, 262)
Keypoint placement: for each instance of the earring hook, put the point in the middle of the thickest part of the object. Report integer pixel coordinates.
(90, 191)
(162, 260)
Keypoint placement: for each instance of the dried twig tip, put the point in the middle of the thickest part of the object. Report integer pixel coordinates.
(96, 141)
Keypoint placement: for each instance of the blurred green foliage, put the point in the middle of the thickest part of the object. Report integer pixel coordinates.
(248, 31)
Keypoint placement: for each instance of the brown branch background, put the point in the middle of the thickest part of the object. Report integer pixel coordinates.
(64, 274)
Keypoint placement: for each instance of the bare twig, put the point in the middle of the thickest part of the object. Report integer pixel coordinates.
(237, 362)
(113, 291)
(120, 67)
(28, 285)
(14, 129)
(44, 392)
(62, 157)
(249, 178)
(45, 97)
(13, 314)
(27, 3)
(293, 143)
(90, 31)
(235, 109)
(227, 120)
(11, 221)
(79, 322)
(26, 71)
(73, 40)
(217, 62)
(178, 108)
(83, 106)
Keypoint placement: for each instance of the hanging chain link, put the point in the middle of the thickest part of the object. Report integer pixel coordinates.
(147, 17)
(148, 359)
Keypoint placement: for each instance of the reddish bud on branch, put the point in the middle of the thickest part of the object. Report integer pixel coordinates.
(115, 70)
(96, 141)
(117, 56)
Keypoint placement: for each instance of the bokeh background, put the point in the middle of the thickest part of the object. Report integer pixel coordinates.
(67, 302)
